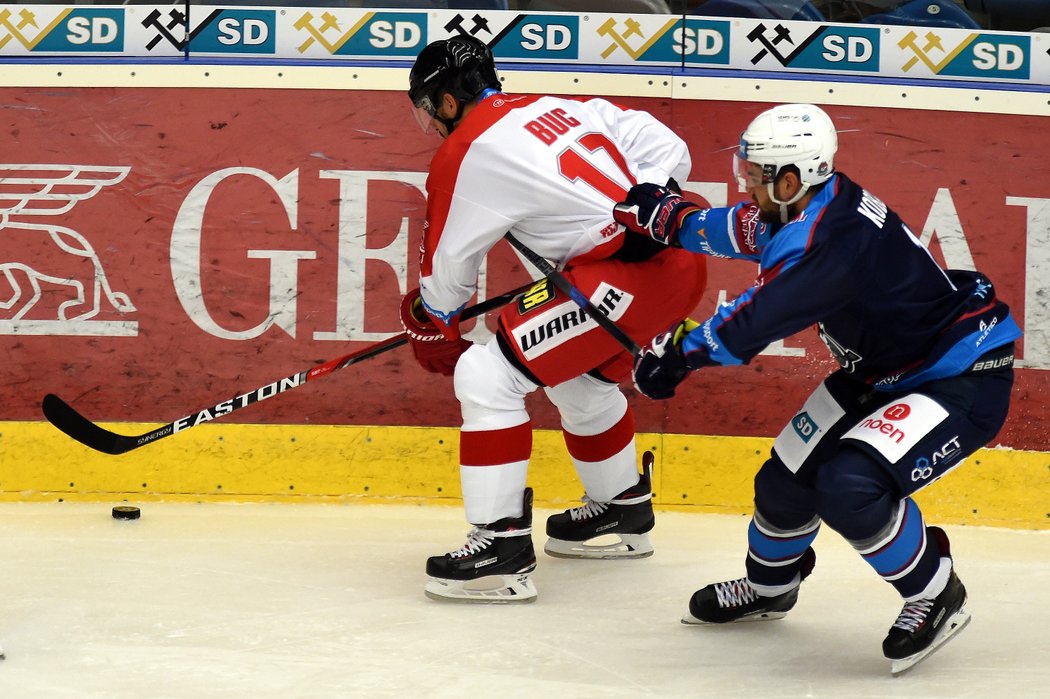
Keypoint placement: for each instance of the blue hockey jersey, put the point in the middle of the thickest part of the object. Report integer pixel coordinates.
(888, 312)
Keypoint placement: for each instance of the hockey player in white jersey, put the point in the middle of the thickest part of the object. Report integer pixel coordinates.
(548, 170)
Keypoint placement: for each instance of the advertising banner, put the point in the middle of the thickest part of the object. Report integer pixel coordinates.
(166, 249)
(940, 52)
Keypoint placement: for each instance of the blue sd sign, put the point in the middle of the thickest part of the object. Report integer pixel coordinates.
(803, 47)
(703, 42)
(235, 32)
(82, 30)
(953, 54)
(373, 35)
(541, 38)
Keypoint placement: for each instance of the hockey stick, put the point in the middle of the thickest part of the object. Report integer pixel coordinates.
(64, 417)
(547, 269)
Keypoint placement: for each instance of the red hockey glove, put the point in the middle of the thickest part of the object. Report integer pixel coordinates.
(434, 352)
(661, 367)
(656, 211)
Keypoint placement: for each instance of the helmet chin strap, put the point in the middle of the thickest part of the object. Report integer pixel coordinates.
(785, 204)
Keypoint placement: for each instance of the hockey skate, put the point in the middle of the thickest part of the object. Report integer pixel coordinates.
(493, 566)
(925, 625)
(737, 600)
(585, 531)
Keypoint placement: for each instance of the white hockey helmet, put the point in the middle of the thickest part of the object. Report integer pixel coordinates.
(802, 135)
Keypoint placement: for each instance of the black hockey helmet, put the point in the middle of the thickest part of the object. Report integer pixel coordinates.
(462, 66)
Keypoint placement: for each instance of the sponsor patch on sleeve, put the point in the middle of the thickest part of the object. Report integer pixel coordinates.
(801, 436)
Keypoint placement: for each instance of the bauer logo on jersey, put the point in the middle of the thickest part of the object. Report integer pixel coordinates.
(895, 429)
(565, 320)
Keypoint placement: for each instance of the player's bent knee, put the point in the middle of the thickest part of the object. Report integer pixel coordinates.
(588, 405)
(485, 381)
(855, 494)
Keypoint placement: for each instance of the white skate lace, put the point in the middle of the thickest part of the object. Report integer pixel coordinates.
(590, 508)
(735, 593)
(479, 539)
(593, 508)
(913, 614)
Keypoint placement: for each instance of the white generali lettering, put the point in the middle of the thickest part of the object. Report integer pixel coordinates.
(1036, 281)
(354, 255)
(228, 406)
(185, 253)
(942, 222)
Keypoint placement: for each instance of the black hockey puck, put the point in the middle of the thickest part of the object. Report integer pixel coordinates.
(126, 512)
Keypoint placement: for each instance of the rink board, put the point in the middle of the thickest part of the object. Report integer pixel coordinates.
(300, 463)
(222, 238)
(221, 260)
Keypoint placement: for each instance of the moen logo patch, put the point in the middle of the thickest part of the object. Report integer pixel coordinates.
(536, 296)
(894, 430)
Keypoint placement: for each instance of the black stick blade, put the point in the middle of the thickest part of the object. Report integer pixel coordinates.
(64, 417)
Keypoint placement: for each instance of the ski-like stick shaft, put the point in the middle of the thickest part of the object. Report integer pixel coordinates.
(68, 420)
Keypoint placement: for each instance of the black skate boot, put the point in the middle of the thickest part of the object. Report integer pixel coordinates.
(737, 600)
(493, 566)
(925, 625)
(628, 516)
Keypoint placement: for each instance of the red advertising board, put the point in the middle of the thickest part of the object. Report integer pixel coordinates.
(166, 249)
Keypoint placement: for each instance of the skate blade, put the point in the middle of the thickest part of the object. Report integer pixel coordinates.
(691, 620)
(953, 626)
(493, 589)
(602, 547)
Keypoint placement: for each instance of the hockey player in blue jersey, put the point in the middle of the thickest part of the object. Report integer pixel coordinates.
(926, 370)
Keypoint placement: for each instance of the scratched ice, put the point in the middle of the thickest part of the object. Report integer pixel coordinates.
(323, 601)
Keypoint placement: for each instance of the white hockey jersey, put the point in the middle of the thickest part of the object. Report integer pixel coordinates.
(547, 169)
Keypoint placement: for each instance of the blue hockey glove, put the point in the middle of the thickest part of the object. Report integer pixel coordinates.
(661, 367)
(656, 211)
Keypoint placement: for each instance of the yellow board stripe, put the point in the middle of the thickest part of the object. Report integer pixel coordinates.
(994, 487)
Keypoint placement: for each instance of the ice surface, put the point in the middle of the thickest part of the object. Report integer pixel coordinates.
(322, 601)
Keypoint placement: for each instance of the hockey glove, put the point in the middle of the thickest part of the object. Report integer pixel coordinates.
(434, 352)
(661, 367)
(656, 211)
